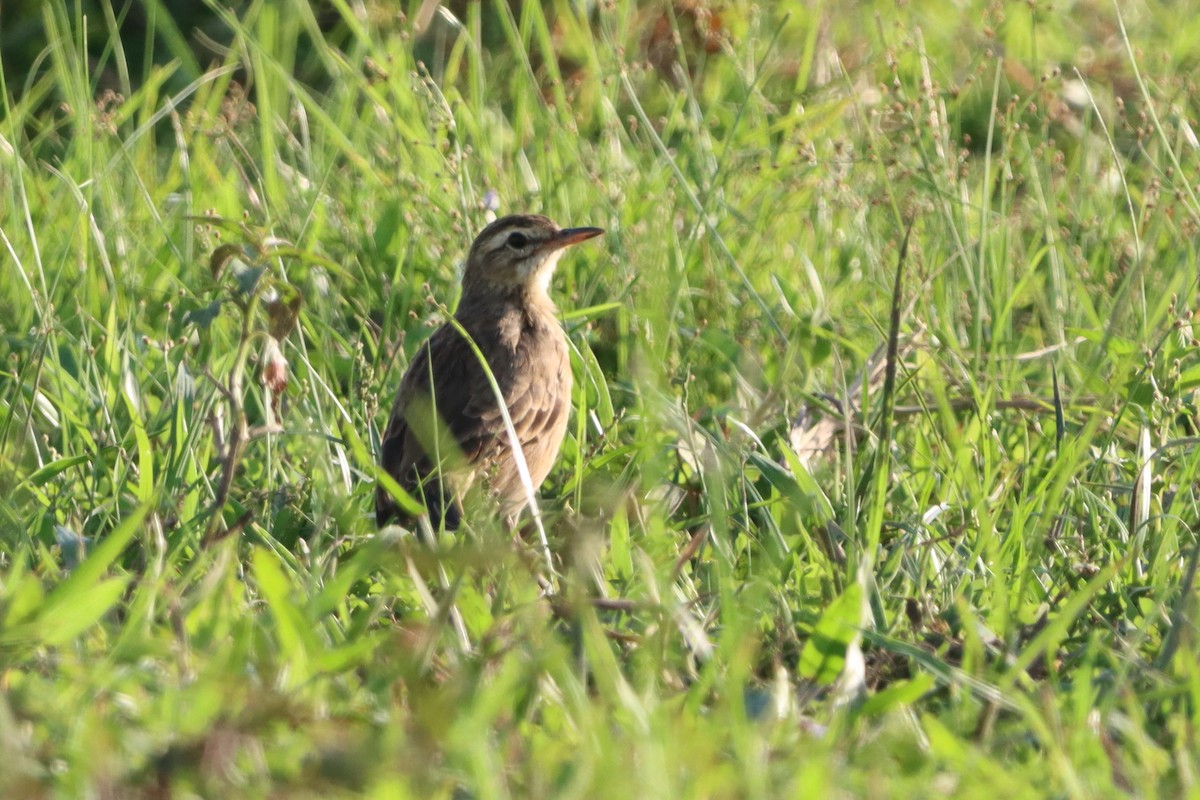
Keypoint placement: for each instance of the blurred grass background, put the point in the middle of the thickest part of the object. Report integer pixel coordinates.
(226, 228)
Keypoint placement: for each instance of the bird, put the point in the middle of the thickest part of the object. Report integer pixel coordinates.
(446, 432)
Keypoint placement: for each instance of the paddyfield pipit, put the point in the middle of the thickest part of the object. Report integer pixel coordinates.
(446, 429)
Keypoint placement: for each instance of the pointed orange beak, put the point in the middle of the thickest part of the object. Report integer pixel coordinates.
(569, 236)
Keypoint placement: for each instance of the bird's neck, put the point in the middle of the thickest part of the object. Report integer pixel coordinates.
(531, 301)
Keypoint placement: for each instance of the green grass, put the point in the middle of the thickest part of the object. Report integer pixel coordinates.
(959, 597)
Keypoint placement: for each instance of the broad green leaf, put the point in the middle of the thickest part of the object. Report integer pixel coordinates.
(23, 596)
(595, 386)
(90, 571)
(294, 633)
(824, 654)
(145, 486)
(899, 694)
(797, 485)
(349, 655)
(43, 475)
(61, 622)
(336, 589)
(1117, 347)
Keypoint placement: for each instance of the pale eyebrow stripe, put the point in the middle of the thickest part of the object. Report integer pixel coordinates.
(498, 239)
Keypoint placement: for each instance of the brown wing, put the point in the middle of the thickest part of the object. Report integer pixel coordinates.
(412, 429)
(537, 393)
(535, 379)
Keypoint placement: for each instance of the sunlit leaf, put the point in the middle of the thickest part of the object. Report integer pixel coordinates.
(824, 654)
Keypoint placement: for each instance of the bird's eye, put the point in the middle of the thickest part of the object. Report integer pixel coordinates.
(517, 240)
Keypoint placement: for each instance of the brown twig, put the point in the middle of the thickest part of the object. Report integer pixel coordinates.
(239, 431)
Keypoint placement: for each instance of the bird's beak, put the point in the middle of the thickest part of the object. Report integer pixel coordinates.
(569, 236)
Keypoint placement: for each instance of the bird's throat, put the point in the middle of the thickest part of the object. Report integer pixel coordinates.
(538, 274)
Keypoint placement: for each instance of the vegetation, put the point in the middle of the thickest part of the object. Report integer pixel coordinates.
(216, 267)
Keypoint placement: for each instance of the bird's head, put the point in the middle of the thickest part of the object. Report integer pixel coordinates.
(519, 253)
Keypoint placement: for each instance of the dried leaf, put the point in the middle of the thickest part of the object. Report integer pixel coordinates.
(221, 258)
(283, 311)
